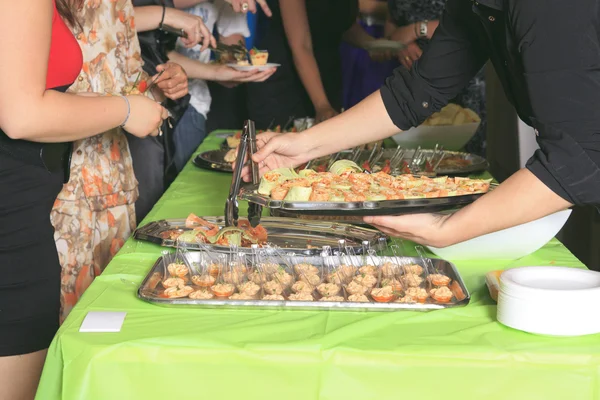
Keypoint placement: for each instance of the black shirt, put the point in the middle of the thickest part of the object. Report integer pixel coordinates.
(547, 56)
(283, 95)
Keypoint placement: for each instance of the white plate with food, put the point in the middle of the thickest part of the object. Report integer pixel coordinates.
(452, 127)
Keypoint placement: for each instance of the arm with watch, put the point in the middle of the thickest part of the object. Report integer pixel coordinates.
(410, 34)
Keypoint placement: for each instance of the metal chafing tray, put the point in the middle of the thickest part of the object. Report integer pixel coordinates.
(151, 290)
(355, 208)
(305, 237)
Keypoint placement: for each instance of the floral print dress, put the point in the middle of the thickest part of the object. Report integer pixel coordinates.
(94, 214)
(404, 12)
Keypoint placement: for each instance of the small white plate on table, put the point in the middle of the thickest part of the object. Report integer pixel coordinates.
(253, 67)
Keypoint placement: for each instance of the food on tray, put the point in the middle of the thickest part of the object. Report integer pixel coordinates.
(413, 269)
(273, 297)
(202, 231)
(368, 269)
(439, 279)
(366, 280)
(258, 57)
(492, 280)
(205, 280)
(412, 280)
(332, 298)
(273, 287)
(452, 114)
(358, 298)
(376, 281)
(178, 292)
(178, 270)
(223, 289)
(417, 293)
(302, 296)
(383, 295)
(328, 289)
(201, 295)
(249, 288)
(243, 63)
(301, 286)
(172, 282)
(344, 182)
(230, 156)
(234, 140)
(441, 294)
(356, 288)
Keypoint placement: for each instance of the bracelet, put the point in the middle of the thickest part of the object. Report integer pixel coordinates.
(128, 110)
(162, 20)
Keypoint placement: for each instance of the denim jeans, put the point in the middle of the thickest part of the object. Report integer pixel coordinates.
(189, 134)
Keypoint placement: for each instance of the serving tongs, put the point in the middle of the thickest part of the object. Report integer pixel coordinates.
(247, 148)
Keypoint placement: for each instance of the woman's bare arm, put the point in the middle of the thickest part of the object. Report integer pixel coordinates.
(295, 22)
(27, 109)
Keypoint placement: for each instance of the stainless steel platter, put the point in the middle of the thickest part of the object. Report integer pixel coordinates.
(151, 289)
(213, 160)
(453, 162)
(302, 237)
(357, 208)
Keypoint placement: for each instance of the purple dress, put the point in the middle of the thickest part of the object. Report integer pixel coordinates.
(362, 76)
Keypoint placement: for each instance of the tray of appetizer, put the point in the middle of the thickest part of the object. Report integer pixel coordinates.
(216, 160)
(302, 237)
(340, 282)
(346, 190)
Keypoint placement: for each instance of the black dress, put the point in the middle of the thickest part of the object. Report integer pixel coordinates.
(283, 95)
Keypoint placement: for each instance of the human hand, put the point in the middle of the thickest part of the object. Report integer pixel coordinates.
(409, 55)
(145, 116)
(249, 5)
(224, 73)
(324, 113)
(173, 82)
(278, 150)
(424, 229)
(380, 55)
(193, 26)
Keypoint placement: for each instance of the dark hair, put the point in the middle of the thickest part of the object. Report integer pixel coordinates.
(67, 9)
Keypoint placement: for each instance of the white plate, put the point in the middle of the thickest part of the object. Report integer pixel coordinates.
(383, 45)
(558, 281)
(507, 244)
(452, 137)
(253, 67)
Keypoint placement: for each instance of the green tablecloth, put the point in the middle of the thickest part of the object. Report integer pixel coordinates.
(163, 353)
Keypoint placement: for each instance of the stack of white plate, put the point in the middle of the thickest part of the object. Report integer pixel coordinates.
(555, 301)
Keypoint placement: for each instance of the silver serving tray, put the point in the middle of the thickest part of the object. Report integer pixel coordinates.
(150, 290)
(302, 237)
(213, 160)
(384, 207)
(476, 163)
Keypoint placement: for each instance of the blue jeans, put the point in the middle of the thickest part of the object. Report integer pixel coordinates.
(189, 134)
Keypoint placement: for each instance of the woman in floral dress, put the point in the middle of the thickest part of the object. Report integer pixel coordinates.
(94, 213)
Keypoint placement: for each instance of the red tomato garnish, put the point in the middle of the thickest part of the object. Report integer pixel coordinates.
(366, 166)
(143, 86)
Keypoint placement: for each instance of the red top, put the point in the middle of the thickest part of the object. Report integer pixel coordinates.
(65, 59)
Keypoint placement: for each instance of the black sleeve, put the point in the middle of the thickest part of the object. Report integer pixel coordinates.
(451, 59)
(560, 51)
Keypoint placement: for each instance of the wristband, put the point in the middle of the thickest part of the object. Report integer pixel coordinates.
(162, 20)
(423, 29)
(128, 111)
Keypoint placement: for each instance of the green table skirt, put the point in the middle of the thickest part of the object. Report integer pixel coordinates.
(167, 353)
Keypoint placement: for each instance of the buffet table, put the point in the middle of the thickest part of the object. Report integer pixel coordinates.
(167, 353)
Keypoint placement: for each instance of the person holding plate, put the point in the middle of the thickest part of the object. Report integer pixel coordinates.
(558, 96)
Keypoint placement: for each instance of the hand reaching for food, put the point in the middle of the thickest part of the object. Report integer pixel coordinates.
(144, 117)
(171, 80)
(420, 228)
(193, 26)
